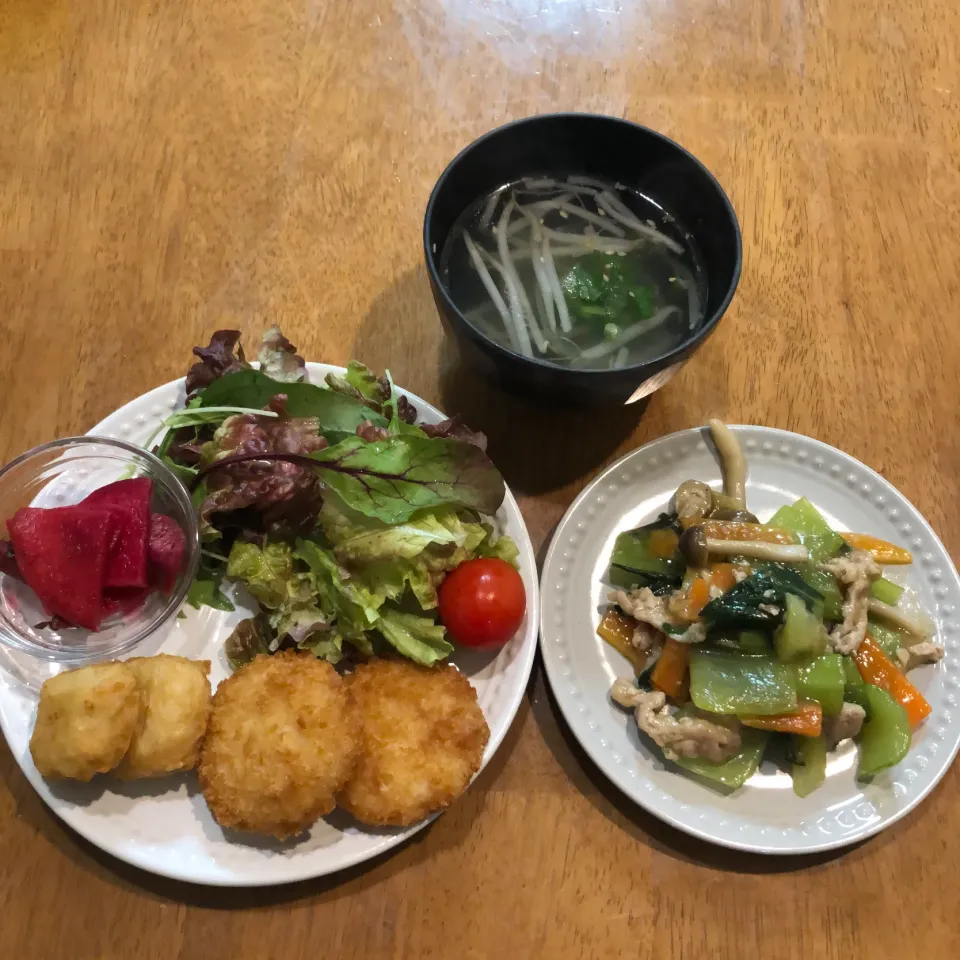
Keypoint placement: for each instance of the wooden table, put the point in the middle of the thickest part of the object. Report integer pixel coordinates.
(168, 168)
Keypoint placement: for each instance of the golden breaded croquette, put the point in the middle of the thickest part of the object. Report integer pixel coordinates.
(176, 708)
(423, 739)
(283, 738)
(86, 719)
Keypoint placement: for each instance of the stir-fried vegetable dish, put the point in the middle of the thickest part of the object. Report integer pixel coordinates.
(743, 633)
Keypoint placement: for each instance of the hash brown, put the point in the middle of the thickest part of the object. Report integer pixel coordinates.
(86, 719)
(283, 738)
(423, 738)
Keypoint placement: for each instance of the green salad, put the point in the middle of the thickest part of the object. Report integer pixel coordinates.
(751, 638)
(334, 509)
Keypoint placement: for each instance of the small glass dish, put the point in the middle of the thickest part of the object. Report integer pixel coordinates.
(61, 473)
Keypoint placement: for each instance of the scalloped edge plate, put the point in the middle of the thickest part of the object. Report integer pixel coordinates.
(764, 816)
(164, 826)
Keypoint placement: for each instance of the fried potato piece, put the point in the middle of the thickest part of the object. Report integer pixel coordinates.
(283, 739)
(86, 719)
(176, 708)
(423, 739)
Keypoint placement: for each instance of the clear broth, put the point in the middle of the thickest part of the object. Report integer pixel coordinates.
(629, 297)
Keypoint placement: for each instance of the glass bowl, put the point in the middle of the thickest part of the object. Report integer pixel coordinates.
(61, 473)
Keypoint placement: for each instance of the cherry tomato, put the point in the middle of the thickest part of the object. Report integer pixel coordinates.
(482, 602)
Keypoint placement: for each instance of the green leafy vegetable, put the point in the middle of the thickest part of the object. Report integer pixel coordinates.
(760, 599)
(501, 547)
(353, 605)
(418, 638)
(394, 478)
(634, 564)
(603, 288)
(267, 571)
(253, 389)
(206, 592)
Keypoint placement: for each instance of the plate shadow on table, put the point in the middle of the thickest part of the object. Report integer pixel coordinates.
(537, 448)
(643, 826)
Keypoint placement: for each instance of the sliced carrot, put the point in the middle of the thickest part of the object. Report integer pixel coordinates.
(737, 530)
(670, 672)
(881, 550)
(663, 544)
(807, 721)
(617, 629)
(722, 576)
(877, 668)
(698, 596)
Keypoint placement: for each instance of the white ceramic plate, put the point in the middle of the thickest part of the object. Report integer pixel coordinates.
(764, 816)
(164, 826)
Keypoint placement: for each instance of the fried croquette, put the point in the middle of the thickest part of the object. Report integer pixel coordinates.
(283, 739)
(86, 719)
(423, 739)
(176, 708)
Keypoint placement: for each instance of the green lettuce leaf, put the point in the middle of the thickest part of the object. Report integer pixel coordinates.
(361, 383)
(418, 638)
(267, 572)
(354, 606)
(251, 388)
(325, 646)
(502, 547)
(206, 592)
(392, 479)
(358, 540)
(392, 577)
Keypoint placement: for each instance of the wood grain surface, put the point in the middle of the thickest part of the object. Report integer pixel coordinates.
(168, 168)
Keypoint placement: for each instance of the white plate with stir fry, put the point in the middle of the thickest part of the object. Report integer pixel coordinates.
(755, 637)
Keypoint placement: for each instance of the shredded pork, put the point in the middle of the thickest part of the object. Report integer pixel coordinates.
(856, 571)
(644, 605)
(918, 655)
(845, 724)
(688, 737)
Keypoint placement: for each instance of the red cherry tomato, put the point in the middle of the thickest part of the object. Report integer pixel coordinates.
(482, 602)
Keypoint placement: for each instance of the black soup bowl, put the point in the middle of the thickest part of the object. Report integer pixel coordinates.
(609, 149)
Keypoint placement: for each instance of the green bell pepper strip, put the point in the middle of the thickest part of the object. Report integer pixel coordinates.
(730, 683)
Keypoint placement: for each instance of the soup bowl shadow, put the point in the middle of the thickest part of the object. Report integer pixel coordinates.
(609, 149)
(536, 449)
